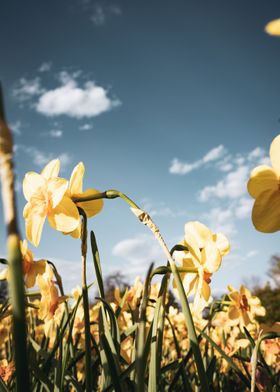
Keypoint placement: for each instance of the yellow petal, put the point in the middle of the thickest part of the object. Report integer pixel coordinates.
(76, 180)
(31, 182)
(262, 178)
(190, 282)
(34, 225)
(200, 232)
(65, 217)
(273, 27)
(266, 212)
(205, 292)
(275, 154)
(192, 245)
(211, 257)
(92, 207)
(233, 312)
(222, 243)
(57, 188)
(51, 169)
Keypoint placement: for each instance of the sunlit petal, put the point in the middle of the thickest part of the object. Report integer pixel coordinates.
(266, 212)
(57, 188)
(34, 225)
(262, 179)
(200, 232)
(51, 169)
(222, 243)
(92, 207)
(233, 312)
(273, 27)
(211, 257)
(31, 182)
(65, 217)
(76, 180)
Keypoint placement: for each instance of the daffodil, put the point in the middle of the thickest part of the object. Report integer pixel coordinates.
(264, 187)
(75, 190)
(205, 251)
(244, 307)
(46, 197)
(50, 298)
(30, 267)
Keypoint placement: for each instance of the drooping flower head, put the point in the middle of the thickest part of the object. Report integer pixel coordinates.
(264, 187)
(205, 251)
(46, 197)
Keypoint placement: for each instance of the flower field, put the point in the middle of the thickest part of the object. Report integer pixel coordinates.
(139, 340)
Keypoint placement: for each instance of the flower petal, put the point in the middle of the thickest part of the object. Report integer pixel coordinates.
(65, 217)
(211, 257)
(200, 232)
(233, 312)
(57, 188)
(222, 243)
(193, 246)
(266, 212)
(51, 169)
(76, 180)
(31, 182)
(92, 207)
(262, 178)
(273, 27)
(33, 226)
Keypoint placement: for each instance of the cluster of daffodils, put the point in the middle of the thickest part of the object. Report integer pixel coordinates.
(50, 196)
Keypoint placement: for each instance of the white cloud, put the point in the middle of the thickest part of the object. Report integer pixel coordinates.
(86, 127)
(252, 253)
(179, 167)
(161, 209)
(139, 252)
(100, 12)
(16, 127)
(41, 158)
(45, 67)
(244, 208)
(26, 89)
(56, 133)
(232, 186)
(221, 221)
(74, 101)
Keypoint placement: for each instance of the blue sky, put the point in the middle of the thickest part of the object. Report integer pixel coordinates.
(172, 103)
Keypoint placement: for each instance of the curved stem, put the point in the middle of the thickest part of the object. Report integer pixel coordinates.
(86, 302)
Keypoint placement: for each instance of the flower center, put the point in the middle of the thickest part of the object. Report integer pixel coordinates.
(207, 277)
(244, 303)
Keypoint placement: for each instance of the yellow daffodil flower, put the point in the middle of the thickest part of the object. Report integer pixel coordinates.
(273, 27)
(30, 268)
(244, 307)
(264, 187)
(50, 299)
(75, 189)
(205, 254)
(46, 197)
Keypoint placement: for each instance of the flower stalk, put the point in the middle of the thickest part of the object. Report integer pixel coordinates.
(16, 284)
(86, 302)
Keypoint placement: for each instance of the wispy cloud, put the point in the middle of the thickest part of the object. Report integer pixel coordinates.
(161, 209)
(71, 100)
(100, 12)
(56, 133)
(26, 89)
(234, 183)
(86, 127)
(41, 158)
(45, 67)
(138, 252)
(16, 127)
(181, 168)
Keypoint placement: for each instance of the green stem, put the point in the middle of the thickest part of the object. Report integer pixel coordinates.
(88, 375)
(146, 220)
(16, 284)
